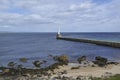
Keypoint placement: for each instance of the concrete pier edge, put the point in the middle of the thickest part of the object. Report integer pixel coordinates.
(97, 42)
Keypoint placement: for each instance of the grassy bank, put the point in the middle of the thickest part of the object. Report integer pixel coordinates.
(115, 77)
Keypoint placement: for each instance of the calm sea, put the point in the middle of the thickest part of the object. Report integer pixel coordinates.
(37, 46)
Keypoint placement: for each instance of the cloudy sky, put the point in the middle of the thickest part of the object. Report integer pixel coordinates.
(70, 15)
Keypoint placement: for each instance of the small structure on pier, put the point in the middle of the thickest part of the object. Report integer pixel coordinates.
(58, 34)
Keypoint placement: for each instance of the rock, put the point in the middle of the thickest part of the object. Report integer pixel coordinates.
(22, 78)
(65, 72)
(57, 78)
(34, 76)
(27, 75)
(23, 60)
(115, 63)
(77, 67)
(63, 59)
(37, 63)
(11, 64)
(6, 70)
(80, 59)
(79, 78)
(93, 65)
(65, 78)
(100, 61)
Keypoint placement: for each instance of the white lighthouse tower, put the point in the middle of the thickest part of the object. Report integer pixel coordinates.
(58, 33)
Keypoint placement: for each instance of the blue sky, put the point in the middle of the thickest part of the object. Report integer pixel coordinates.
(70, 15)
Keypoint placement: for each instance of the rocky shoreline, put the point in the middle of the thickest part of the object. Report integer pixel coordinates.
(62, 69)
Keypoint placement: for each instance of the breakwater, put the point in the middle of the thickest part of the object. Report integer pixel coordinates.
(97, 42)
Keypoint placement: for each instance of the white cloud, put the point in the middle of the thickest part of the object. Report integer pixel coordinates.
(69, 13)
(4, 4)
(22, 20)
(82, 6)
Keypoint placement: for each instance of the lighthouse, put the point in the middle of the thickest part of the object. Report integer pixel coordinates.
(58, 33)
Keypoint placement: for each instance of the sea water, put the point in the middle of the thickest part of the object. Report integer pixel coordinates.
(38, 46)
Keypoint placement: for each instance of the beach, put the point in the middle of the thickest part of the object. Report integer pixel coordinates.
(90, 71)
(62, 69)
(66, 71)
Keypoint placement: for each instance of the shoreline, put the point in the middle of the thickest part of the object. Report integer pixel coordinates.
(101, 67)
(96, 71)
(82, 71)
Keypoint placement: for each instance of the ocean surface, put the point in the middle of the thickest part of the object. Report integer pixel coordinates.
(38, 46)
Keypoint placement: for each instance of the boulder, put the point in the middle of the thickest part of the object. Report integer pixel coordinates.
(82, 58)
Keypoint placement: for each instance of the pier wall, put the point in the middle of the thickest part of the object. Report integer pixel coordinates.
(97, 42)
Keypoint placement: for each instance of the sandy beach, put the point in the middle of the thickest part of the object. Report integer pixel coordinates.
(72, 71)
(64, 70)
(89, 71)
